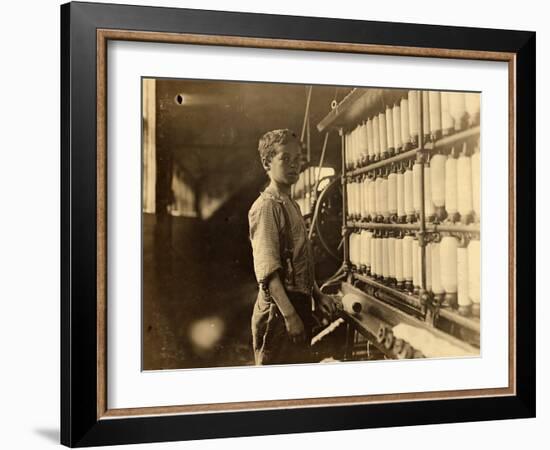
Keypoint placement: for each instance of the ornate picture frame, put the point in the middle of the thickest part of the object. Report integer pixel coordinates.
(86, 418)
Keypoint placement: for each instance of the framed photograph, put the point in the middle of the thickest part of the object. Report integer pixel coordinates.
(279, 224)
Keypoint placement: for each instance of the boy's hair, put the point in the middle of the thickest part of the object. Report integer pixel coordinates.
(267, 146)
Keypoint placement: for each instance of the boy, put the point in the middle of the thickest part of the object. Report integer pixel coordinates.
(282, 319)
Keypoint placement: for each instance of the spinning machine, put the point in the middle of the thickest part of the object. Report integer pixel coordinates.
(408, 223)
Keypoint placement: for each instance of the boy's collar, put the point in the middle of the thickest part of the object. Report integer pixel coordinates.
(274, 195)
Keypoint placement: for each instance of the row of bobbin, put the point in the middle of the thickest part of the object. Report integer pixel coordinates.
(396, 127)
(394, 258)
(394, 194)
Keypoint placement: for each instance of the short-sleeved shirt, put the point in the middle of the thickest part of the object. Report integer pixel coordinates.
(267, 231)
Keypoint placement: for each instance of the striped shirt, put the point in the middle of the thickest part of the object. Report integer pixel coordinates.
(266, 220)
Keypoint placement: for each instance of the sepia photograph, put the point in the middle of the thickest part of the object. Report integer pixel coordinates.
(304, 224)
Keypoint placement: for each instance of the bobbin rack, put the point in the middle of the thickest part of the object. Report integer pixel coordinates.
(411, 218)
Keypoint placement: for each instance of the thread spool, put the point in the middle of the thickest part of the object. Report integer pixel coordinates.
(451, 189)
(376, 194)
(360, 188)
(368, 256)
(373, 257)
(364, 144)
(405, 126)
(437, 286)
(358, 199)
(414, 122)
(360, 253)
(370, 267)
(348, 199)
(472, 103)
(476, 179)
(435, 114)
(437, 174)
(376, 137)
(415, 251)
(401, 197)
(457, 108)
(417, 188)
(408, 190)
(365, 188)
(465, 196)
(359, 243)
(359, 205)
(385, 259)
(429, 209)
(351, 198)
(358, 146)
(352, 251)
(365, 251)
(379, 257)
(407, 262)
(463, 287)
(474, 288)
(384, 199)
(362, 201)
(372, 199)
(448, 260)
(351, 204)
(391, 258)
(397, 141)
(358, 249)
(419, 269)
(392, 194)
(447, 126)
(358, 154)
(389, 131)
(356, 210)
(351, 150)
(370, 141)
(383, 135)
(381, 260)
(347, 151)
(353, 304)
(399, 263)
(377, 201)
(361, 197)
(426, 127)
(428, 267)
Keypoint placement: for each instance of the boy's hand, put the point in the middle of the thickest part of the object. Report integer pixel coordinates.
(295, 328)
(327, 305)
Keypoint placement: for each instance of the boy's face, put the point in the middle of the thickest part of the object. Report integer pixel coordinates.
(285, 165)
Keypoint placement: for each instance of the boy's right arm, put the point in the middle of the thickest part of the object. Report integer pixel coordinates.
(293, 323)
(264, 235)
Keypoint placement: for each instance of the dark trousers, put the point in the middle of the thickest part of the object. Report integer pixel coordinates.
(270, 339)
